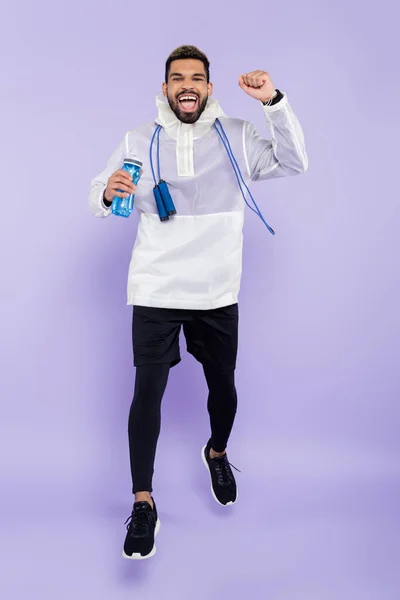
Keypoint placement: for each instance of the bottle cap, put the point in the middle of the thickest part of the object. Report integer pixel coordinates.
(133, 161)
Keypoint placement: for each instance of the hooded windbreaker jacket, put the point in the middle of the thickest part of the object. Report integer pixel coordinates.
(194, 260)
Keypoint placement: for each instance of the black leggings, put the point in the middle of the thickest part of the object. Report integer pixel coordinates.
(145, 416)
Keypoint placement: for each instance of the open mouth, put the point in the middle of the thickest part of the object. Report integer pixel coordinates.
(188, 102)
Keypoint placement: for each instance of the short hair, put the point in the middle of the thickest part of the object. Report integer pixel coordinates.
(187, 52)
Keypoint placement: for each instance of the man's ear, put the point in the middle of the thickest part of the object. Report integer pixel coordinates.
(164, 89)
(210, 88)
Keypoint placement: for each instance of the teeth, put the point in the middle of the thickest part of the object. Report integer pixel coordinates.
(187, 98)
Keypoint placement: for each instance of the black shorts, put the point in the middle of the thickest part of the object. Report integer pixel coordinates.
(211, 335)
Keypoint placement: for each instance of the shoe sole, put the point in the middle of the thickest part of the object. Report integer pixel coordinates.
(136, 555)
(203, 458)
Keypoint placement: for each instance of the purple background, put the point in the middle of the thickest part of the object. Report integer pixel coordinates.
(318, 376)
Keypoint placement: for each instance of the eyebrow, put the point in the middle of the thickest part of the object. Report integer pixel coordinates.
(194, 75)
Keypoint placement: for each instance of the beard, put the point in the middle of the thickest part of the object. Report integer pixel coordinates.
(186, 117)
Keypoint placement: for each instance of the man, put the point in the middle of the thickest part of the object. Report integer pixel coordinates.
(185, 272)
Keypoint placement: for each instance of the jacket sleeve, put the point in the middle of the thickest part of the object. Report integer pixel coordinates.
(99, 183)
(284, 154)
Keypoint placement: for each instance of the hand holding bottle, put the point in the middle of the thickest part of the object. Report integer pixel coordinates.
(120, 185)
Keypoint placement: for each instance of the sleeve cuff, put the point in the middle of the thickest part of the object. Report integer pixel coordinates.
(278, 102)
(277, 99)
(104, 203)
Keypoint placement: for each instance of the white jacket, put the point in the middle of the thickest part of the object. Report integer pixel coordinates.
(194, 260)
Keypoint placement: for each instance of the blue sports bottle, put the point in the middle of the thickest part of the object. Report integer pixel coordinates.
(122, 207)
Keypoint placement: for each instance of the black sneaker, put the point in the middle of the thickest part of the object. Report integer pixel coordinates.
(143, 525)
(223, 484)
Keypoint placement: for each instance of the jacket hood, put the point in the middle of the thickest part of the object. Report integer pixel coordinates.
(186, 133)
